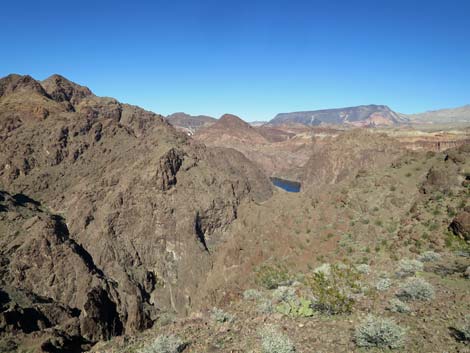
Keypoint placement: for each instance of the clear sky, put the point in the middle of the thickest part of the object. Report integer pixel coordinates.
(247, 57)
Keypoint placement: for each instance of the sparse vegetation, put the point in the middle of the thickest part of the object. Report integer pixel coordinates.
(397, 306)
(429, 256)
(272, 276)
(164, 344)
(273, 341)
(218, 315)
(265, 306)
(383, 284)
(363, 269)
(416, 289)
(284, 293)
(252, 294)
(462, 331)
(409, 267)
(333, 292)
(379, 332)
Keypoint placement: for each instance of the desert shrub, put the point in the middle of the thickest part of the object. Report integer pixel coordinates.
(416, 289)
(323, 268)
(379, 332)
(397, 306)
(284, 293)
(409, 267)
(271, 277)
(164, 344)
(265, 307)
(333, 292)
(429, 256)
(252, 294)
(296, 308)
(273, 341)
(218, 315)
(363, 268)
(463, 330)
(383, 284)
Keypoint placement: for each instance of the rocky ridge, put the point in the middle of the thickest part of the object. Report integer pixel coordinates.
(139, 203)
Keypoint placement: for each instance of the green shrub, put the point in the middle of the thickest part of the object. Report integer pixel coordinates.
(272, 341)
(296, 308)
(271, 277)
(218, 315)
(379, 332)
(333, 292)
(164, 344)
(397, 306)
(409, 267)
(416, 289)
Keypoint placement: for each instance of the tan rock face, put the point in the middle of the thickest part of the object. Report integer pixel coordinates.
(141, 206)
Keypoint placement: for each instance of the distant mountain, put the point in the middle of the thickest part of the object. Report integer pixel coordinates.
(190, 123)
(363, 115)
(257, 123)
(453, 115)
(230, 127)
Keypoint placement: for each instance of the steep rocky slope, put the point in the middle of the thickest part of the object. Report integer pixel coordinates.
(363, 115)
(343, 156)
(134, 206)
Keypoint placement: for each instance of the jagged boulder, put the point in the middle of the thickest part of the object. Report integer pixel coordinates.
(461, 225)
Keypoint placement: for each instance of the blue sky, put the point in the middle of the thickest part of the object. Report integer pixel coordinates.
(251, 58)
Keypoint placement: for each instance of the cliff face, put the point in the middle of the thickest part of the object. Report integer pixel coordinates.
(140, 205)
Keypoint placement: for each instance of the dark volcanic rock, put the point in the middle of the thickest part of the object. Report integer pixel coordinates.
(461, 225)
(100, 319)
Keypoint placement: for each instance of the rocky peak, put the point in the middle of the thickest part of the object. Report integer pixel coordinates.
(15, 83)
(233, 121)
(61, 89)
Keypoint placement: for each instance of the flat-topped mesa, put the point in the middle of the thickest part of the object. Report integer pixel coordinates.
(363, 115)
(61, 89)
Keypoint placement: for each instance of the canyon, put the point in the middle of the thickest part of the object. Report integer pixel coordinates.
(117, 228)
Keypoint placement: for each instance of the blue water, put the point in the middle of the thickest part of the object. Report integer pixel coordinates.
(287, 185)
